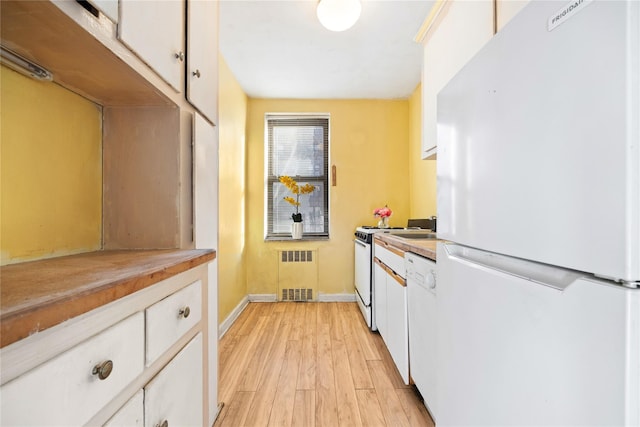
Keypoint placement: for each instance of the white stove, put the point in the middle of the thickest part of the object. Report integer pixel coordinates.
(363, 243)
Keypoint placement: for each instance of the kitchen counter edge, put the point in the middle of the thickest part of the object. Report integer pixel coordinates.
(422, 247)
(38, 295)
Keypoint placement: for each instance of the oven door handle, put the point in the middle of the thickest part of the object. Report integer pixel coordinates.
(360, 242)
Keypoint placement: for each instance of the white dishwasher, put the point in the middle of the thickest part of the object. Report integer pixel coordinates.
(421, 292)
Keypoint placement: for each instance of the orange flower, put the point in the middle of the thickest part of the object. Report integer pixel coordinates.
(293, 186)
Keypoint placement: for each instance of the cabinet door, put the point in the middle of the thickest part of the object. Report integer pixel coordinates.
(461, 29)
(154, 30)
(130, 415)
(380, 298)
(175, 394)
(397, 338)
(205, 184)
(202, 60)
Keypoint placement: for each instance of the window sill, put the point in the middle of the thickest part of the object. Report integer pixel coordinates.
(289, 239)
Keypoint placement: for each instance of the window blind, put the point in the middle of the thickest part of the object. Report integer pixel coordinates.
(297, 146)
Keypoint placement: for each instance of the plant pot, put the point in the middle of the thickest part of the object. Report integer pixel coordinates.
(296, 230)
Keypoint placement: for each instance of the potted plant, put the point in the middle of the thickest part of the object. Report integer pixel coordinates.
(297, 190)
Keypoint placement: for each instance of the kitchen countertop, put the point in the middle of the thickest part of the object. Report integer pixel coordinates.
(423, 247)
(40, 294)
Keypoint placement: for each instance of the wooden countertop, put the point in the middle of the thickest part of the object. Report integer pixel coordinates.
(40, 294)
(423, 247)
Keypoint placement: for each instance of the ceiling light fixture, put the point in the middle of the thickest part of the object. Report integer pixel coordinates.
(23, 65)
(338, 15)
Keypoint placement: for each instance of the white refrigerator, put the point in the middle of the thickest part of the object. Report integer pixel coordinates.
(539, 199)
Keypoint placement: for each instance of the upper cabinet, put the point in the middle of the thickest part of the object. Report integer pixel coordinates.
(202, 58)
(154, 30)
(454, 31)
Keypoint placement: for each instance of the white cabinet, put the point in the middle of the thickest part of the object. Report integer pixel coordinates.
(380, 296)
(154, 30)
(131, 414)
(169, 319)
(101, 378)
(70, 388)
(205, 184)
(390, 298)
(175, 394)
(459, 31)
(398, 332)
(202, 57)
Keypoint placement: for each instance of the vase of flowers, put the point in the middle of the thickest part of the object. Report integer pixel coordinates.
(296, 190)
(383, 214)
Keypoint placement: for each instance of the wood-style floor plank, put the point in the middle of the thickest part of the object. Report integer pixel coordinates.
(235, 414)
(348, 412)
(231, 374)
(255, 367)
(326, 403)
(414, 408)
(314, 364)
(304, 409)
(389, 401)
(262, 405)
(307, 373)
(370, 410)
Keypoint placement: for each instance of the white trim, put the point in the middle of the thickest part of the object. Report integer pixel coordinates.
(263, 298)
(232, 317)
(349, 297)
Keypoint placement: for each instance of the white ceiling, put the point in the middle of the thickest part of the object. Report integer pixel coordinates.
(278, 49)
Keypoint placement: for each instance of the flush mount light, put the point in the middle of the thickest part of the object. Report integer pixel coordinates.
(338, 15)
(23, 66)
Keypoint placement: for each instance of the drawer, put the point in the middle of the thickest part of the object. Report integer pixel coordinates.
(131, 414)
(64, 390)
(392, 257)
(169, 319)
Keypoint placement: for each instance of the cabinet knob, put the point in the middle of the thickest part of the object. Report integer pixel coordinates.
(164, 423)
(196, 73)
(184, 312)
(103, 370)
(180, 56)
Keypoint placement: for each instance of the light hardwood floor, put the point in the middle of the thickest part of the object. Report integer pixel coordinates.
(311, 364)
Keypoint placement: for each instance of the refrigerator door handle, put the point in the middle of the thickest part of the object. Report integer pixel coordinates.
(546, 275)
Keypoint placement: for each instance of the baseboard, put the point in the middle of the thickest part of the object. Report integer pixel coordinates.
(263, 298)
(336, 297)
(231, 318)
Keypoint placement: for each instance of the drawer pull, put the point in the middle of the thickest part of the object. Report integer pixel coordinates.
(196, 73)
(179, 56)
(165, 423)
(103, 370)
(184, 312)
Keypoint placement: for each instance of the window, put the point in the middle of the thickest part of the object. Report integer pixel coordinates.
(297, 146)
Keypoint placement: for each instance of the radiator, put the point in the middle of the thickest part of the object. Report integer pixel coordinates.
(297, 275)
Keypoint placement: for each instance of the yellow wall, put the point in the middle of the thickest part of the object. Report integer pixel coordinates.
(369, 146)
(231, 254)
(422, 182)
(51, 177)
